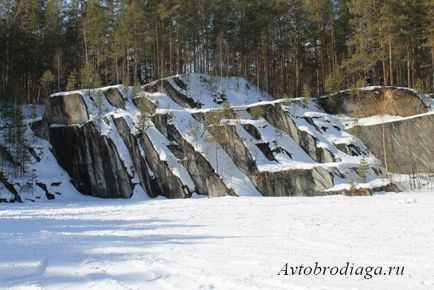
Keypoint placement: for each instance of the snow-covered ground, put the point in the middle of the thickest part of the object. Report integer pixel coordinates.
(221, 243)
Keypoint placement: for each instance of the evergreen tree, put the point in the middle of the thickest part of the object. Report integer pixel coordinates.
(279, 45)
(47, 80)
(72, 82)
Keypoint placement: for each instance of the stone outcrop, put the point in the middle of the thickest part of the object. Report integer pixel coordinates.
(366, 191)
(363, 103)
(10, 188)
(408, 143)
(296, 182)
(114, 97)
(280, 119)
(206, 179)
(170, 185)
(147, 180)
(66, 109)
(291, 182)
(144, 104)
(180, 98)
(165, 161)
(91, 160)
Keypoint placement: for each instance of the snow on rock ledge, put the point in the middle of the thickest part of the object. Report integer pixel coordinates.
(268, 147)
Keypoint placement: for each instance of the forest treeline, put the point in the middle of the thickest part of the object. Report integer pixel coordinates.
(286, 47)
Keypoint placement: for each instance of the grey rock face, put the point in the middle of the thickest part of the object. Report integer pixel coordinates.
(10, 188)
(147, 180)
(365, 103)
(274, 114)
(231, 142)
(66, 109)
(178, 97)
(366, 191)
(145, 105)
(280, 119)
(324, 155)
(114, 97)
(409, 145)
(298, 182)
(91, 160)
(308, 143)
(206, 180)
(170, 185)
(281, 183)
(344, 148)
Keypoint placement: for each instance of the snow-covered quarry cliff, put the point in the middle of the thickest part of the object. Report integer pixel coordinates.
(195, 134)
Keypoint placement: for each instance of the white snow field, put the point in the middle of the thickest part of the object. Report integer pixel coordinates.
(220, 243)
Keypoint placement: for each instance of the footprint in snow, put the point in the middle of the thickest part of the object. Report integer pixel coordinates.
(407, 200)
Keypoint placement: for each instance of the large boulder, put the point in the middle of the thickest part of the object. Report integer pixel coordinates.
(144, 104)
(66, 109)
(114, 97)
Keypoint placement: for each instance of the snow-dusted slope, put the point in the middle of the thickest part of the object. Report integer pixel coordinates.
(197, 134)
(43, 179)
(205, 91)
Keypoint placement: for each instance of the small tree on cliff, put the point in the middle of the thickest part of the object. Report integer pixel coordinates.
(363, 169)
(14, 130)
(216, 123)
(256, 112)
(143, 121)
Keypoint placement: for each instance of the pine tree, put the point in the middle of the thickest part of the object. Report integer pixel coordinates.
(52, 38)
(278, 45)
(306, 91)
(335, 81)
(95, 33)
(89, 78)
(72, 82)
(143, 121)
(47, 81)
(227, 112)
(128, 37)
(256, 112)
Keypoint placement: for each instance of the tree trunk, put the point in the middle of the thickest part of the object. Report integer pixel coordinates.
(390, 59)
(171, 63)
(432, 59)
(384, 146)
(333, 36)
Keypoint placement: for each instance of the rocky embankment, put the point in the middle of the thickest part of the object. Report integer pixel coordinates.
(200, 135)
(396, 124)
